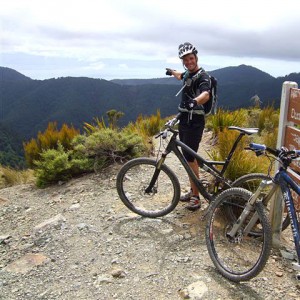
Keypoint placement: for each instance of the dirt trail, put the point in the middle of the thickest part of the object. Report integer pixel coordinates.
(78, 241)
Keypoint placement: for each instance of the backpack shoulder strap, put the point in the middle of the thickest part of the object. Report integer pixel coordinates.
(187, 73)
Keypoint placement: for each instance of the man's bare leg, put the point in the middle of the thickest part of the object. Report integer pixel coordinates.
(194, 166)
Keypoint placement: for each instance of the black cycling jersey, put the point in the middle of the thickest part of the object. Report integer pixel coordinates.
(194, 85)
(192, 122)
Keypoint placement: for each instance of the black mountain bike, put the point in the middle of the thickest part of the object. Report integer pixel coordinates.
(150, 188)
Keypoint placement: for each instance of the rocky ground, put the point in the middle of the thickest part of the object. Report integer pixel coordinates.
(76, 240)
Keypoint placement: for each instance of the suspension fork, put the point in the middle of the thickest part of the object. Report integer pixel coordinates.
(158, 166)
(249, 207)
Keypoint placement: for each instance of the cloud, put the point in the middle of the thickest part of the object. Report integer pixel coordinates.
(96, 32)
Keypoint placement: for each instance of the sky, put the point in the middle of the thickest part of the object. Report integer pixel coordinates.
(122, 39)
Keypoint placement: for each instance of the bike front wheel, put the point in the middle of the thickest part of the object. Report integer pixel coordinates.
(242, 256)
(147, 190)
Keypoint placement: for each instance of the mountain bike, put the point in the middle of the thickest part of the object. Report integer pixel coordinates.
(240, 247)
(150, 188)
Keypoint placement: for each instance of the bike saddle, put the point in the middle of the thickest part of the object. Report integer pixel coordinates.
(248, 131)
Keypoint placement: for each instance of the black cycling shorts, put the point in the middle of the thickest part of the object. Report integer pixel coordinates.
(191, 135)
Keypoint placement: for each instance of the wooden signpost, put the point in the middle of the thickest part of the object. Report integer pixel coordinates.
(288, 136)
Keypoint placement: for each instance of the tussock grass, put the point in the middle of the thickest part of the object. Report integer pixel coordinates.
(10, 177)
(222, 119)
(242, 162)
(146, 128)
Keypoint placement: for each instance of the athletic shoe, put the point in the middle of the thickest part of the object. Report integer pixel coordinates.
(186, 197)
(194, 203)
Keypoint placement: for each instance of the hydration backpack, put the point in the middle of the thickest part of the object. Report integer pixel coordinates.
(210, 107)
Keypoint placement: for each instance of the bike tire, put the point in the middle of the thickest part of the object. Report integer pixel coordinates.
(243, 257)
(134, 177)
(251, 182)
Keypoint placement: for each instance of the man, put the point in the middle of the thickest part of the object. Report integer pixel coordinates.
(195, 92)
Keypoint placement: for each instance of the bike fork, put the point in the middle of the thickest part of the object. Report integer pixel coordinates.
(248, 208)
(149, 189)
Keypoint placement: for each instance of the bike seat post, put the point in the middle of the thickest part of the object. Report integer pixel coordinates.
(233, 148)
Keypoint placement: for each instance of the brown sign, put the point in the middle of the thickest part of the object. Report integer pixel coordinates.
(294, 106)
(292, 142)
(292, 137)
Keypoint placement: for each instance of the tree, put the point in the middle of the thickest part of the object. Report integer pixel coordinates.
(113, 117)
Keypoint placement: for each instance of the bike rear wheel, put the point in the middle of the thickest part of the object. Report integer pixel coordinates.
(133, 182)
(251, 182)
(243, 256)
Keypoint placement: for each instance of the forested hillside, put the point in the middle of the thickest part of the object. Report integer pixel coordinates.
(27, 106)
(11, 149)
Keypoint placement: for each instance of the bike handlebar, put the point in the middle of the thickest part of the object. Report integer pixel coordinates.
(277, 152)
(285, 155)
(260, 148)
(169, 127)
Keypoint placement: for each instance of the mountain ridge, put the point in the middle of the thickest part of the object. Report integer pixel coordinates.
(28, 105)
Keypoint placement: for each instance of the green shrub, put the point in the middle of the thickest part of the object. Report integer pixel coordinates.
(108, 145)
(59, 165)
(102, 147)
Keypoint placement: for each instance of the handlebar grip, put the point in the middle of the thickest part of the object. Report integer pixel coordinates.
(254, 146)
(261, 147)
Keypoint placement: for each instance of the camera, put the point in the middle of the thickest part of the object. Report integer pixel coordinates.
(168, 72)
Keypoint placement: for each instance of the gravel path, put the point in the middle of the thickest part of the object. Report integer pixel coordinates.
(78, 241)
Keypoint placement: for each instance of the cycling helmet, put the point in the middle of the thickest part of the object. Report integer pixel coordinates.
(185, 49)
